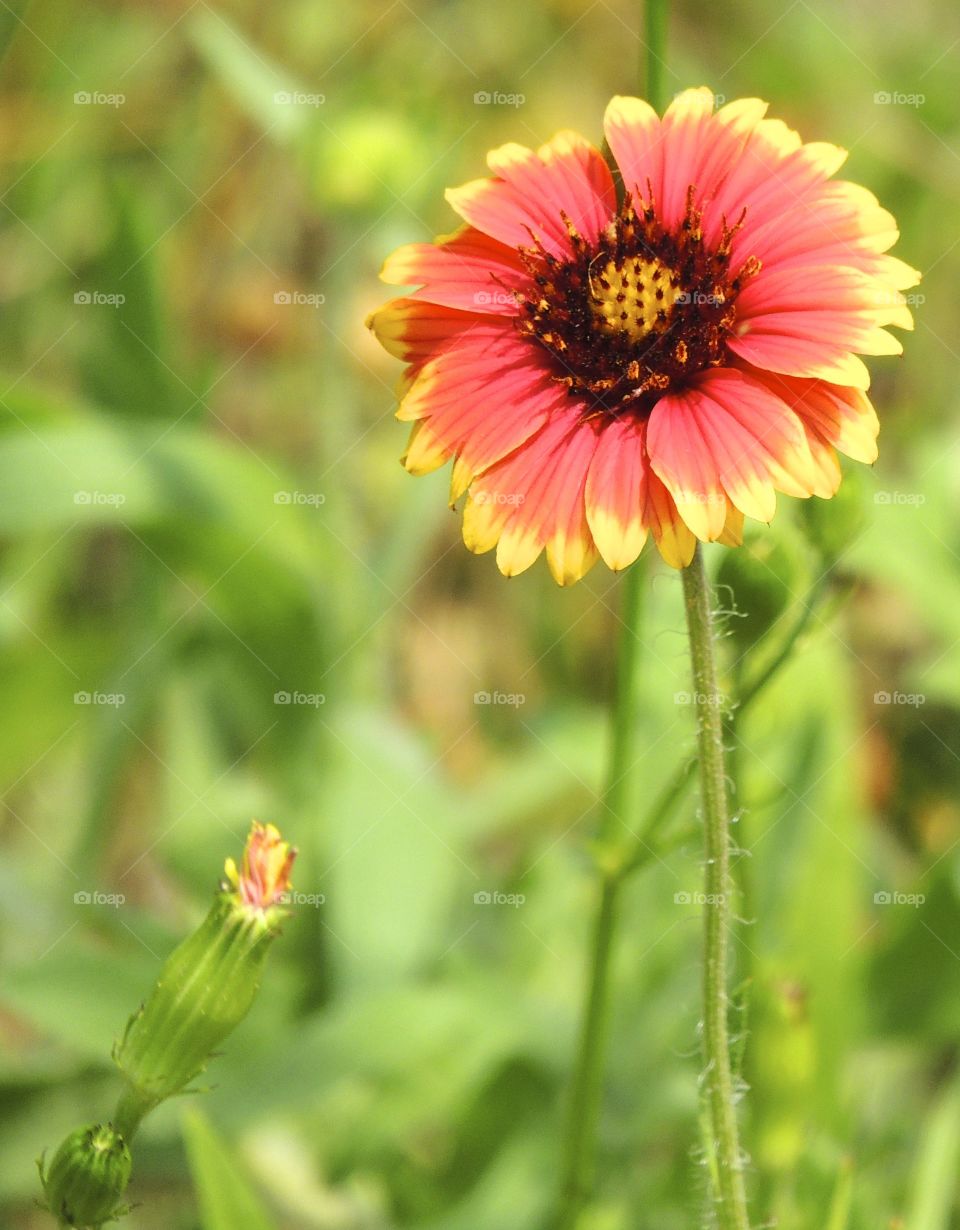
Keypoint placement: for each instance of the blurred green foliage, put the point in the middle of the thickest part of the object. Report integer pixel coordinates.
(201, 517)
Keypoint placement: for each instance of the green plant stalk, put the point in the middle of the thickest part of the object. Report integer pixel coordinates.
(583, 1113)
(648, 846)
(612, 854)
(724, 1159)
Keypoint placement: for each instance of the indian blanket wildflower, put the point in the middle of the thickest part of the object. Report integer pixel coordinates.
(205, 989)
(601, 368)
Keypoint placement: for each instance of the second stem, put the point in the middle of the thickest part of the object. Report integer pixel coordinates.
(723, 1147)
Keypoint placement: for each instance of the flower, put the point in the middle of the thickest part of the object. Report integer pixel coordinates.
(602, 369)
(267, 860)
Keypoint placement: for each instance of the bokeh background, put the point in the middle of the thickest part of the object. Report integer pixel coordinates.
(221, 598)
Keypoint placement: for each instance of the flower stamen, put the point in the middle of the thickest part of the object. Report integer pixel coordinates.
(636, 313)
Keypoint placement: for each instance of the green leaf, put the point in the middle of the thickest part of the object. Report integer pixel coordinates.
(935, 1175)
(226, 1198)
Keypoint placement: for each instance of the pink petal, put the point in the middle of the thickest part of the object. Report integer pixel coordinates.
(533, 190)
(727, 435)
(481, 399)
(632, 130)
(415, 331)
(469, 270)
(792, 355)
(534, 498)
(843, 417)
(774, 172)
(616, 492)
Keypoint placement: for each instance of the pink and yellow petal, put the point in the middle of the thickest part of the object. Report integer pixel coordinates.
(732, 535)
(800, 356)
(467, 270)
(616, 492)
(424, 452)
(532, 190)
(632, 129)
(701, 147)
(481, 400)
(728, 436)
(534, 499)
(566, 174)
(675, 541)
(774, 172)
(415, 331)
(844, 417)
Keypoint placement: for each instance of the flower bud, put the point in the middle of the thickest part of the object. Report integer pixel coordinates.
(88, 1176)
(208, 983)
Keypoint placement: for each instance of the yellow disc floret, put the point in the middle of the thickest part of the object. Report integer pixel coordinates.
(634, 297)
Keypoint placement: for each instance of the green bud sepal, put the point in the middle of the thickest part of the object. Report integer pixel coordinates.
(207, 984)
(87, 1177)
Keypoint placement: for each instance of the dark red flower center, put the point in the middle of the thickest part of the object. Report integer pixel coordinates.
(635, 313)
